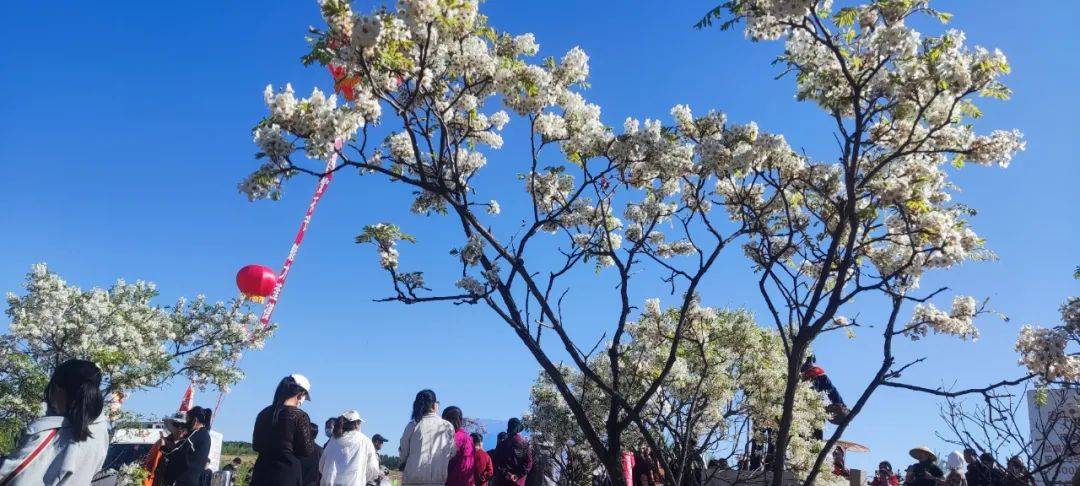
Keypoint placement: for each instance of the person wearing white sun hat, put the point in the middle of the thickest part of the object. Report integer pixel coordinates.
(349, 458)
(282, 435)
(926, 472)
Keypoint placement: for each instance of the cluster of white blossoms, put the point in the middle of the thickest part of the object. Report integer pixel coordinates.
(1045, 351)
(136, 343)
(385, 237)
(958, 322)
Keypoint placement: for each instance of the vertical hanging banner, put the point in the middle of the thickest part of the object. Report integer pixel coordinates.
(1055, 426)
(324, 182)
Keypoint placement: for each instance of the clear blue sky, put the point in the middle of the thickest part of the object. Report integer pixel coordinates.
(126, 128)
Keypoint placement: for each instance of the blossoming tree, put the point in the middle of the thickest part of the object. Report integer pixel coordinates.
(870, 219)
(136, 343)
(727, 380)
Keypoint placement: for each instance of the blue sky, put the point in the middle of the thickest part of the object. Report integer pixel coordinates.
(126, 128)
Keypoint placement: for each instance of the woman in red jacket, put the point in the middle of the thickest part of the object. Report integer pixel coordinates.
(885, 476)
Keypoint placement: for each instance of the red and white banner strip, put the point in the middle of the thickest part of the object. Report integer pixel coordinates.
(324, 182)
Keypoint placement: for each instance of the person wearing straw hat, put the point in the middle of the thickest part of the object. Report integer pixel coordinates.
(925, 472)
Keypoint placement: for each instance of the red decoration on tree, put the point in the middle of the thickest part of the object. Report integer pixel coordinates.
(257, 282)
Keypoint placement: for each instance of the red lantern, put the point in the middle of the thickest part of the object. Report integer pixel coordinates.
(257, 282)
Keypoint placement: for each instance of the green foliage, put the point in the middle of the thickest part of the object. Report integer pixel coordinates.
(390, 462)
(232, 448)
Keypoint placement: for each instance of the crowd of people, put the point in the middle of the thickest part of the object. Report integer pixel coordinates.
(435, 448)
(68, 446)
(961, 469)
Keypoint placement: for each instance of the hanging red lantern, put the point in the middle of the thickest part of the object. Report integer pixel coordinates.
(257, 282)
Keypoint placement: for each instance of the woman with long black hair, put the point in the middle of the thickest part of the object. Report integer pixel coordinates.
(460, 470)
(513, 456)
(68, 445)
(282, 435)
(427, 444)
(186, 461)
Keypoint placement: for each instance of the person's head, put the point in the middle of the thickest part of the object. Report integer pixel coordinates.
(923, 454)
(349, 421)
(500, 437)
(425, 403)
(291, 391)
(513, 427)
(885, 468)
(1015, 463)
(74, 391)
(176, 424)
(477, 440)
(971, 456)
(331, 424)
(199, 417)
(237, 461)
(454, 416)
(987, 459)
(378, 440)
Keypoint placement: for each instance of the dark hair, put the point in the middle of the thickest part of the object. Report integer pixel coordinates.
(81, 381)
(286, 389)
(203, 415)
(513, 427)
(885, 465)
(424, 402)
(986, 457)
(500, 437)
(330, 422)
(343, 426)
(314, 430)
(454, 416)
(477, 439)
(237, 460)
(970, 451)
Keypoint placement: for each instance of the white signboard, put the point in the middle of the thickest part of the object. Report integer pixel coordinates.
(1055, 426)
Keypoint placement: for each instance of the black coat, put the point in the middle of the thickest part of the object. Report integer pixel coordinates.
(186, 461)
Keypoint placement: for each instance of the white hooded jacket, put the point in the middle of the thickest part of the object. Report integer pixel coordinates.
(349, 460)
(48, 455)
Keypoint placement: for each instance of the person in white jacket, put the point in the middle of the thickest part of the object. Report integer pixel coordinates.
(67, 446)
(349, 458)
(427, 445)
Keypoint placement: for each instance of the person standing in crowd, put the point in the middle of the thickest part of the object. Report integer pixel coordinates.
(427, 443)
(1016, 473)
(460, 470)
(350, 458)
(513, 459)
(977, 473)
(925, 472)
(483, 468)
(378, 440)
(956, 464)
(884, 475)
(154, 462)
(282, 435)
(501, 436)
(186, 461)
(309, 466)
(68, 445)
(330, 424)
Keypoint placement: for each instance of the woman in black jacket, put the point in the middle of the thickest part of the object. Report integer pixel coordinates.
(283, 435)
(187, 460)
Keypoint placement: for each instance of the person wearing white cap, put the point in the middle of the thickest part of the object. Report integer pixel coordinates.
(925, 472)
(282, 435)
(349, 459)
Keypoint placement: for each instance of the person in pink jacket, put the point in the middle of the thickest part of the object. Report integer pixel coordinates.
(460, 470)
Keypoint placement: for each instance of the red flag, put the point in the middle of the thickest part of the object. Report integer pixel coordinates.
(188, 401)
